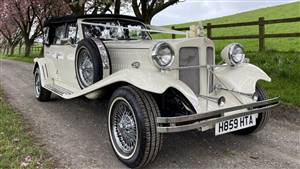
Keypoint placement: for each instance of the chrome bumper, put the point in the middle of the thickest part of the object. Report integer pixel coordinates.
(198, 121)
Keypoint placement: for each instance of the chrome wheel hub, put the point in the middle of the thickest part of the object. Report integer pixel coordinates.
(37, 85)
(86, 68)
(124, 128)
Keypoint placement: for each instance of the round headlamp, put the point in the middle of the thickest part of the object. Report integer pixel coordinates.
(233, 54)
(163, 55)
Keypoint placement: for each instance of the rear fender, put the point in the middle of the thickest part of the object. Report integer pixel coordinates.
(39, 63)
(241, 78)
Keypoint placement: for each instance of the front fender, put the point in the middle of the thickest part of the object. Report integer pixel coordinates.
(241, 78)
(155, 82)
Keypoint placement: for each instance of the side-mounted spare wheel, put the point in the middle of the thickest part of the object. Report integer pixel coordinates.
(92, 62)
(132, 126)
(41, 93)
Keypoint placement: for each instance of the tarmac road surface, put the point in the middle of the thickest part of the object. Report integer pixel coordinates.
(75, 133)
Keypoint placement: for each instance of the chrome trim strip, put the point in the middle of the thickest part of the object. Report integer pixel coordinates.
(193, 117)
(231, 90)
(137, 29)
(46, 70)
(104, 57)
(196, 67)
(212, 121)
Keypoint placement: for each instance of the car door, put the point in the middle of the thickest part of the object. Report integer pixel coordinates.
(54, 52)
(66, 59)
(49, 52)
(63, 51)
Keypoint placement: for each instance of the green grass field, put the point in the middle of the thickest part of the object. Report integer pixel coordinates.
(277, 12)
(28, 59)
(284, 69)
(17, 149)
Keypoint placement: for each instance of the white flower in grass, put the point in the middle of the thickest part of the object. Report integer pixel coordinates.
(26, 161)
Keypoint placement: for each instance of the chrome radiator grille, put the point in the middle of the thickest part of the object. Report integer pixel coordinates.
(189, 56)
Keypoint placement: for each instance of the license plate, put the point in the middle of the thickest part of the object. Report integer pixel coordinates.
(235, 124)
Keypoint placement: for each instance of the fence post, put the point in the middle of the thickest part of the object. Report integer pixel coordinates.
(261, 24)
(173, 35)
(208, 28)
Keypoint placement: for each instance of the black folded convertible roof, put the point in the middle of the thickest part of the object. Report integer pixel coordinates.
(73, 18)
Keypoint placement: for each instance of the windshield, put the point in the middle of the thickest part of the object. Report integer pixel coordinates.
(114, 30)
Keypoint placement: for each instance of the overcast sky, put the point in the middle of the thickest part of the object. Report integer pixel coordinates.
(195, 10)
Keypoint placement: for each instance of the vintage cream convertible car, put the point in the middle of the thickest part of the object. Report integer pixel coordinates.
(155, 86)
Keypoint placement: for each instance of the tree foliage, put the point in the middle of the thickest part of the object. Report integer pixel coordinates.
(29, 15)
(81, 7)
(143, 9)
(146, 9)
(23, 19)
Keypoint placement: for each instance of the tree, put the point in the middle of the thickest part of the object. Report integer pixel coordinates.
(77, 6)
(29, 16)
(81, 7)
(117, 7)
(3, 44)
(11, 34)
(146, 9)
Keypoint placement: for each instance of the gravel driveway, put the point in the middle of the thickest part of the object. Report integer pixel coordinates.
(75, 133)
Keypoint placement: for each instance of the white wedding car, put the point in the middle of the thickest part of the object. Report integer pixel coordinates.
(155, 86)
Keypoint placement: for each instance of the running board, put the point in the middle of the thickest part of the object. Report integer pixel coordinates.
(58, 90)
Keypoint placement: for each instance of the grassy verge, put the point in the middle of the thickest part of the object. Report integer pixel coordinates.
(284, 69)
(17, 149)
(19, 58)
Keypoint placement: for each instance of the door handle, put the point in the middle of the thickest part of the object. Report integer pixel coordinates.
(58, 55)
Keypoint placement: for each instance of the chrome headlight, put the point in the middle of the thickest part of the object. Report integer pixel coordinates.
(233, 54)
(163, 55)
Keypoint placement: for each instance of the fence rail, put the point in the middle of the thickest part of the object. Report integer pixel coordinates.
(261, 36)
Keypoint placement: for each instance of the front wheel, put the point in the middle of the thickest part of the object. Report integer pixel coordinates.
(262, 117)
(132, 126)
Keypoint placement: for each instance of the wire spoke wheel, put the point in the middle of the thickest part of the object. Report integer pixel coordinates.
(86, 68)
(40, 93)
(132, 126)
(37, 82)
(124, 128)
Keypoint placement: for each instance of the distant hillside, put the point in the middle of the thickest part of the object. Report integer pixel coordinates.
(282, 11)
(277, 12)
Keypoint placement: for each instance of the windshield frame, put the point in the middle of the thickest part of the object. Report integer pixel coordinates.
(93, 21)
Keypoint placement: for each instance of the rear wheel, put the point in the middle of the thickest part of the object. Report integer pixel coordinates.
(132, 126)
(262, 117)
(41, 93)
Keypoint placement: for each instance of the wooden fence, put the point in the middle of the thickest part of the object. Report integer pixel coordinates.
(261, 36)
